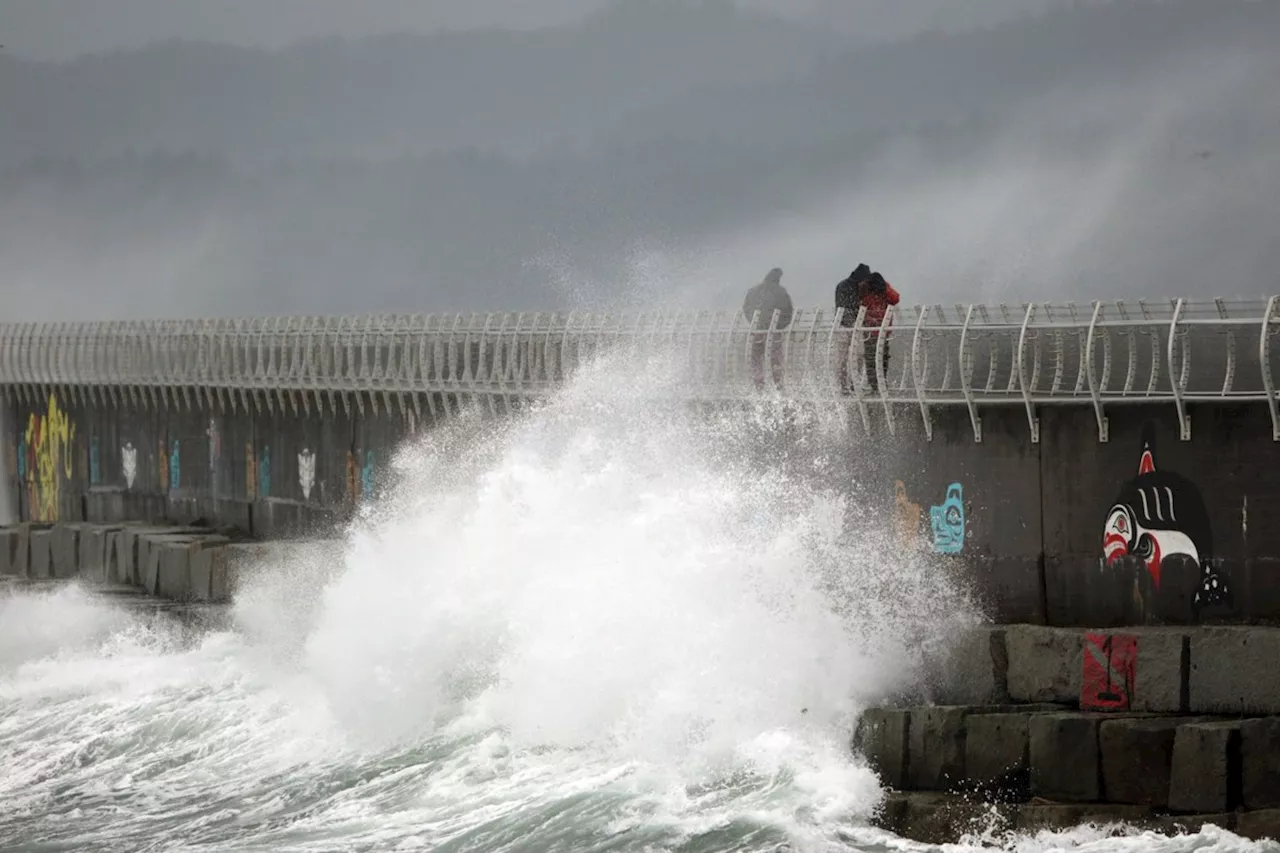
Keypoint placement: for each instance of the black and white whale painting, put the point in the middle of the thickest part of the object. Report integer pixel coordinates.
(1158, 515)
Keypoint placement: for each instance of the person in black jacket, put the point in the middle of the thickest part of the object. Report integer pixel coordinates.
(848, 297)
(761, 301)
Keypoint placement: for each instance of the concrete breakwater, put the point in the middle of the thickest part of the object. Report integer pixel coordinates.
(1034, 727)
(185, 563)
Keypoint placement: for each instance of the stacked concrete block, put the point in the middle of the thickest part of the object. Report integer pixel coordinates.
(95, 541)
(1137, 759)
(1044, 664)
(1260, 763)
(64, 549)
(9, 552)
(1233, 670)
(1063, 753)
(881, 738)
(972, 670)
(1205, 775)
(41, 544)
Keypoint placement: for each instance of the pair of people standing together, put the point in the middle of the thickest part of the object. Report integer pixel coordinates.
(862, 289)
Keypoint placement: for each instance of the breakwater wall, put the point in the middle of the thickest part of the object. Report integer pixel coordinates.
(1145, 528)
(1092, 466)
(1165, 728)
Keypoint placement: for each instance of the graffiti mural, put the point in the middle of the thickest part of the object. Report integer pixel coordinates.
(215, 444)
(95, 469)
(264, 473)
(175, 466)
(1110, 663)
(353, 480)
(947, 521)
(47, 460)
(250, 472)
(306, 472)
(366, 474)
(129, 463)
(163, 455)
(908, 515)
(1158, 516)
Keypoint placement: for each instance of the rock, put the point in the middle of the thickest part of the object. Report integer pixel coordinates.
(1206, 771)
(881, 738)
(1233, 670)
(1044, 664)
(1063, 756)
(1260, 763)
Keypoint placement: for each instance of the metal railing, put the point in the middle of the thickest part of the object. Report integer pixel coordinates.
(976, 356)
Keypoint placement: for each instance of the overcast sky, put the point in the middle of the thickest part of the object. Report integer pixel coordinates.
(61, 29)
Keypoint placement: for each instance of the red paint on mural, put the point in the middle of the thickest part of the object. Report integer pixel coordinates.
(1110, 663)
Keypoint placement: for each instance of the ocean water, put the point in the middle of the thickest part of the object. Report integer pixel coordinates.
(603, 625)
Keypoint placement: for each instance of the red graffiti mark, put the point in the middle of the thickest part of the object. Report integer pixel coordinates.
(1110, 663)
(1148, 463)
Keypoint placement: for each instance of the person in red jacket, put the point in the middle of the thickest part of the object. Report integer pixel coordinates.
(877, 296)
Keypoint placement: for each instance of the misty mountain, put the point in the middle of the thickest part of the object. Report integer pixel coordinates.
(1116, 150)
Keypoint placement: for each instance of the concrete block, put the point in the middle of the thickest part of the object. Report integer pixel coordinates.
(996, 753)
(1260, 763)
(95, 540)
(972, 670)
(64, 550)
(1058, 817)
(1162, 671)
(173, 577)
(1233, 670)
(41, 542)
(1137, 759)
(935, 747)
(1063, 756)
(1259, 825)
(1045, 664)
(881, 738)
(1206, 774)
(941, 819)
(22, 552)
(9, 551)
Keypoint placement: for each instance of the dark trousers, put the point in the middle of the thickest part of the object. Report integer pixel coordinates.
(869, 343)
(758, 343)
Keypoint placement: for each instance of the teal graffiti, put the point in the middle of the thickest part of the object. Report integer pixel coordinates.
(95, 471)
(366, 474)
(22, 460)
(175, 466)
(947, 521)
(264, 472)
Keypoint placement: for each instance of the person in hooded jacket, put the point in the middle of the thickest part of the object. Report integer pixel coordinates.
(848, 297)
(869, 290)
(758, 307)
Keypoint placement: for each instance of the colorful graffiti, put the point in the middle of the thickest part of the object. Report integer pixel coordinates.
(129, 463)
(215, 444)
(948, 522)
(1110, 665)
(306, 472)
(908, 515)
(46, 460)
(250, 472)
(264, 472)
(1158, 516)
(95, 469)
(175, 466)
(366, 473)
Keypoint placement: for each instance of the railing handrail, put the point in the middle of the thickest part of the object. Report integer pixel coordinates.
(1031, 355)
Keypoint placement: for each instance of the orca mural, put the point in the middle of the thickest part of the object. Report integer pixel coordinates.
(1159, 516)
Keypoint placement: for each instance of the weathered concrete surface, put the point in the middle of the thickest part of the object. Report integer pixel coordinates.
(64, 550)
(1259, 825)
(934, 818)
(1205, 775)
(1260, 763)
(94, 542)
(41, 544)
(9, 552)
(935, 747)
(1162, 671)
(1044, 664)
(1137, 760)
(881, 738)
(1064, 759)
(972, 671)
(997, 751)
(1234, 670)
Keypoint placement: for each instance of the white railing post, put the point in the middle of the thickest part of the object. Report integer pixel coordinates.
(1178, 378)
(917, 379)
(1092, 376)
(1032, 420)
(1264, 361)
(965, 358)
